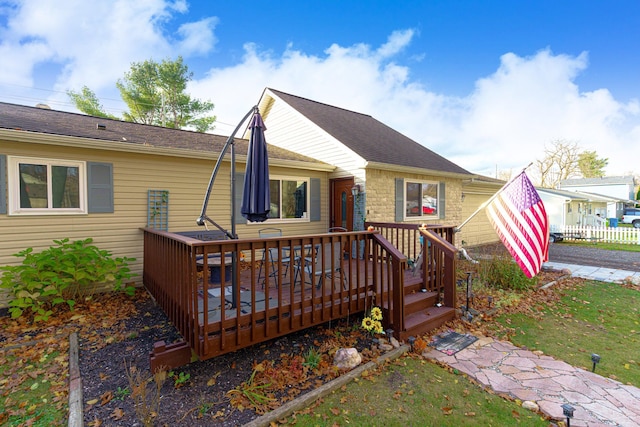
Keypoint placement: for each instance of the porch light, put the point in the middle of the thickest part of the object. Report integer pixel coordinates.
(595, 358)
(355, 190)
(412, 341)
(567, 411)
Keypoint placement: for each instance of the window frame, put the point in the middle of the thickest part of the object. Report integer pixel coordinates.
(13, 186)
(306, 217)
(422, 216)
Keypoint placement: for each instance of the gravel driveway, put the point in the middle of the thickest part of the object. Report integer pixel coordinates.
(584, 255)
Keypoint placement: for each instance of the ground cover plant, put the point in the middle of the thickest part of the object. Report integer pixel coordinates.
(587, 318)
(412, 391)
(59, 275)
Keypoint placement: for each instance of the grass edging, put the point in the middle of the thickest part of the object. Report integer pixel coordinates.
(76, 417)
(306, 399)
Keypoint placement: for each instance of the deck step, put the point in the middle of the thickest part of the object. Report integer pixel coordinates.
(412, 283)
(418, 301)
(423, 321)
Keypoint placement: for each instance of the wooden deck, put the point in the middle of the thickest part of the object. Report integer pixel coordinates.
(331, 280)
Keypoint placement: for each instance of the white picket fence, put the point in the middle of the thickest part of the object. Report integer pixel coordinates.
(626, 235)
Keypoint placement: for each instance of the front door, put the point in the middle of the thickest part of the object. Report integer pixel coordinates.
(341, 203)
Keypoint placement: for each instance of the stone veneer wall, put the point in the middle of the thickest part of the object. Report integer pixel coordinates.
(380, 190)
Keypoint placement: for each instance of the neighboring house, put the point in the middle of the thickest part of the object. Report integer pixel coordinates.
(621, 188)
(380, 175)
(574, 208)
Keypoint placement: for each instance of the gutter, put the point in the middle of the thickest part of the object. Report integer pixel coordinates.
(28, 137)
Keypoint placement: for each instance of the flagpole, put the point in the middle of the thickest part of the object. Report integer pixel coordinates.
(484, 205)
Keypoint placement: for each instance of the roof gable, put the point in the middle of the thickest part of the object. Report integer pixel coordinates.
(369, 138)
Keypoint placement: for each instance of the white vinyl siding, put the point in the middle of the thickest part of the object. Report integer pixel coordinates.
(287, 128)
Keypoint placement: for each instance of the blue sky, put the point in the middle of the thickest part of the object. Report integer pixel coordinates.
(487, 84)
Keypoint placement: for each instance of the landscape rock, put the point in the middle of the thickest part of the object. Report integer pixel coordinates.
(530, 405)
(347, 358)
(385, 346)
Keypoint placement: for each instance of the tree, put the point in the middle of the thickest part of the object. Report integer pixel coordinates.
(590, 165)
(87, 102)
(155, 94)
(560, 162)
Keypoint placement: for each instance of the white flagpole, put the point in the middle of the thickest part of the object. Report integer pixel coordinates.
(484, 205)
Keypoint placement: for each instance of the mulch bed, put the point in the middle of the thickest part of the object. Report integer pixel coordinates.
(203, 399)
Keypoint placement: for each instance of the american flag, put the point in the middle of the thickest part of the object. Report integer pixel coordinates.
(518, 216)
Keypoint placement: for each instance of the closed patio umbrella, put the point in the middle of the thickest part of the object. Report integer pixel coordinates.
(256, 198)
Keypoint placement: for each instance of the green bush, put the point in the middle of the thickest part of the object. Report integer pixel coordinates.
(504, 273)
(60, 275)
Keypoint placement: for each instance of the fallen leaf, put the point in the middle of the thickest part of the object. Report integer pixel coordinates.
(117, 414)
(335, 411)
(213, 379)
(106, 397)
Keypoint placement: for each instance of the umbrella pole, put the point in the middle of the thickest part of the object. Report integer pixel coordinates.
(203, 214)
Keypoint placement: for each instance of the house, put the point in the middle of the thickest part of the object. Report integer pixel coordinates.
(475, 192)
(380, 174)
(118, 177)
(621, 188)
(574, 208)
(138, 191)
(329, 167)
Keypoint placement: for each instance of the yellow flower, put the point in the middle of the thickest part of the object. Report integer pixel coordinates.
(367, 323)
(376, 313)
(377, 327)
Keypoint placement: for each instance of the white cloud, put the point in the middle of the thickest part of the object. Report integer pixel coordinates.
(93, 43)
(505, 122)
(197, 37)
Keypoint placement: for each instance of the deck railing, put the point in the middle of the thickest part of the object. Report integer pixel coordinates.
(439, 254)
(329, 276)
(221, 296)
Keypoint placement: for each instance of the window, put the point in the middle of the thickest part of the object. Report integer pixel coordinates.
(421, 199)
(42, 186)
(289, 198)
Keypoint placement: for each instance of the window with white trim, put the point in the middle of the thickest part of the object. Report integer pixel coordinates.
(289, 198)
(421, 199)
(46, 186)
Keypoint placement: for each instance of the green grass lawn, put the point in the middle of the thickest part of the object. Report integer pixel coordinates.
(32, 402)
(413, 392)
(603, 245)
(601, 318)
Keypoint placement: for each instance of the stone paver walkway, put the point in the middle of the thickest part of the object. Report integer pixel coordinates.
(602, 274)
(530, 376)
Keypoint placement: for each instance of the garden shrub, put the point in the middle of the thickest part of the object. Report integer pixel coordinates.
(504, 273)
(61, 274)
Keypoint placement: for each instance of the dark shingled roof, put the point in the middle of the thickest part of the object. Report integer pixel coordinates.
(41, 120)
(372, 140)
